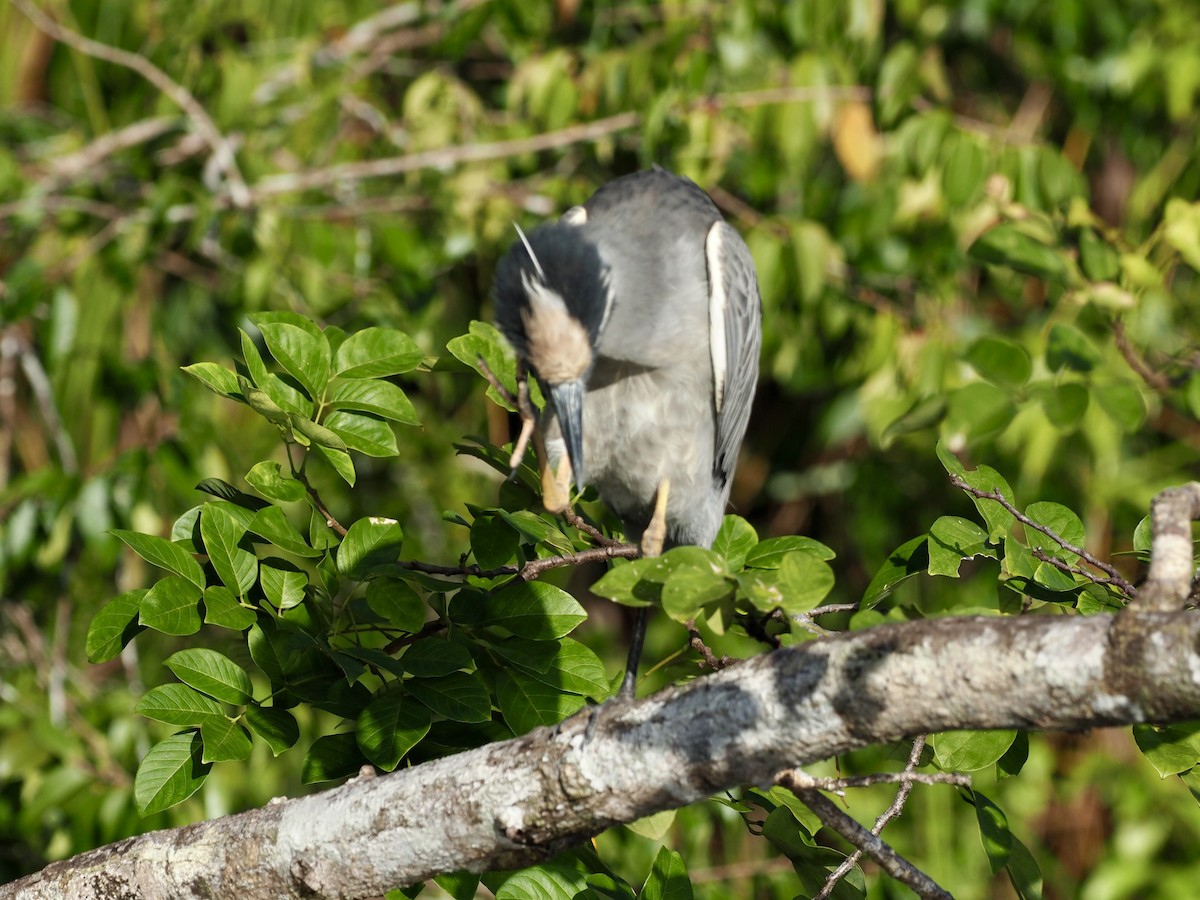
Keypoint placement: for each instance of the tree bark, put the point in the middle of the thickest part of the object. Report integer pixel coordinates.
(514, 803)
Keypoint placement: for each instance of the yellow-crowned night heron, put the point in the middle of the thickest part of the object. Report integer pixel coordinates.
(639, 313)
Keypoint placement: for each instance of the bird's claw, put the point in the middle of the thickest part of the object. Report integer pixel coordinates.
(656, 532)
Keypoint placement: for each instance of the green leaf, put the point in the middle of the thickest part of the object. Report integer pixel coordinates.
(171, 606)
(305, 356)
(432, 657)
(114, 626)
(1170, 748)
(969, 751)
(459, 697)
(566, 665)
(1060, 520)
(1007, 245)
(624, 583)
(275, 726)
(805, 579)
(527, 702)
(993, 830)
(380, 398)
(668, 879)
(1000, 361)
(369, 543)
(221, 531)
(653, 827)
(396, 601)
(986, 479)
(485, 342)
(171, 772)
(1053, 578)
(493, 542)
(1099, 260)
(239, 504)
(459, 885)
(965, 170)
(691, 587)
(268, 479)
(769, 554)
(1069, 348)
(977, 411)
(263, 650)
(953, 539)
(276, 392)
(1024, 872)
(532, 609)
(310, 433)
(217, 379)
(283, 586)
(340, 461)
(734, 541)
(375, 353)
(223, 740)
(909, 559)
(178, 704)
(222, 608)
(1065, 404)
(164, 554)
(211, 673)
(1123, 403)
(391, 725)
(1181, 229)
(548, 881)
(367, 435)
(329, 757)
(271, 523)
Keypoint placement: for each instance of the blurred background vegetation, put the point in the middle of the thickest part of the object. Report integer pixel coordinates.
(911, 177)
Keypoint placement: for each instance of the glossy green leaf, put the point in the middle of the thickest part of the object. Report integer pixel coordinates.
(380, 398)
(171, 772)
(768, 554)
(114, 626)
(993, 830)
(275, 391)
(211, 673)
(283, 586)
(953, 539)
(217, 379)
(567, 665)
(272, 524)
(909, 559)
(340, 461)
(691, 587)
(668, 879)
(305, 356)
(369, 543)
(547, 881)
(376, 352)
(223, 609)
(268, 479)
(527, 702)
(397, 602)
(459, 697)
(177, 704)
(493, 542)
(1062, 521)
(164, 554)
(365, 434)
(171, 606)
(275, 726)
(532, 609)
(434, 656)
(329, 757)
(970, 751)
(624, 583)
(1169, 748)
(391, 725)
(237, 568)
(224, 740)
(734, 541)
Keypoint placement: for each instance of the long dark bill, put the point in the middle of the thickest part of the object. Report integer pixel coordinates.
(568, 405)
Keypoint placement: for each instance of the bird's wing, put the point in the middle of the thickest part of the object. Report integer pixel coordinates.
(735, 335)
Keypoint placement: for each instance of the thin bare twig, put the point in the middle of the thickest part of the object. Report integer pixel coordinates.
(696, 642)
(298, 473)
(85, 161)
(1115, 578)
(866, 841)
(1156, 380)
(532, 569)
(221, 148)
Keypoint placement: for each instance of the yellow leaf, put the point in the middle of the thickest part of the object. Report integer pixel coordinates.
(856, 142)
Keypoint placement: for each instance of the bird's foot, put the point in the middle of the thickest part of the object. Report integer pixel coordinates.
(655, 534)
(556, 486)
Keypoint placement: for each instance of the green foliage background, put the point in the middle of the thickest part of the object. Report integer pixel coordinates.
(973, 222)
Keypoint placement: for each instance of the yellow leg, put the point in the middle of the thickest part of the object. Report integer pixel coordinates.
(656, 532)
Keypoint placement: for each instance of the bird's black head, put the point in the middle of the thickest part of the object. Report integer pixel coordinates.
(551, 292)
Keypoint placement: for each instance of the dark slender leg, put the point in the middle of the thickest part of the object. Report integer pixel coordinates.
(629, 684)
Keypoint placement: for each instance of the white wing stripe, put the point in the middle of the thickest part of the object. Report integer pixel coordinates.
(717, 302)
